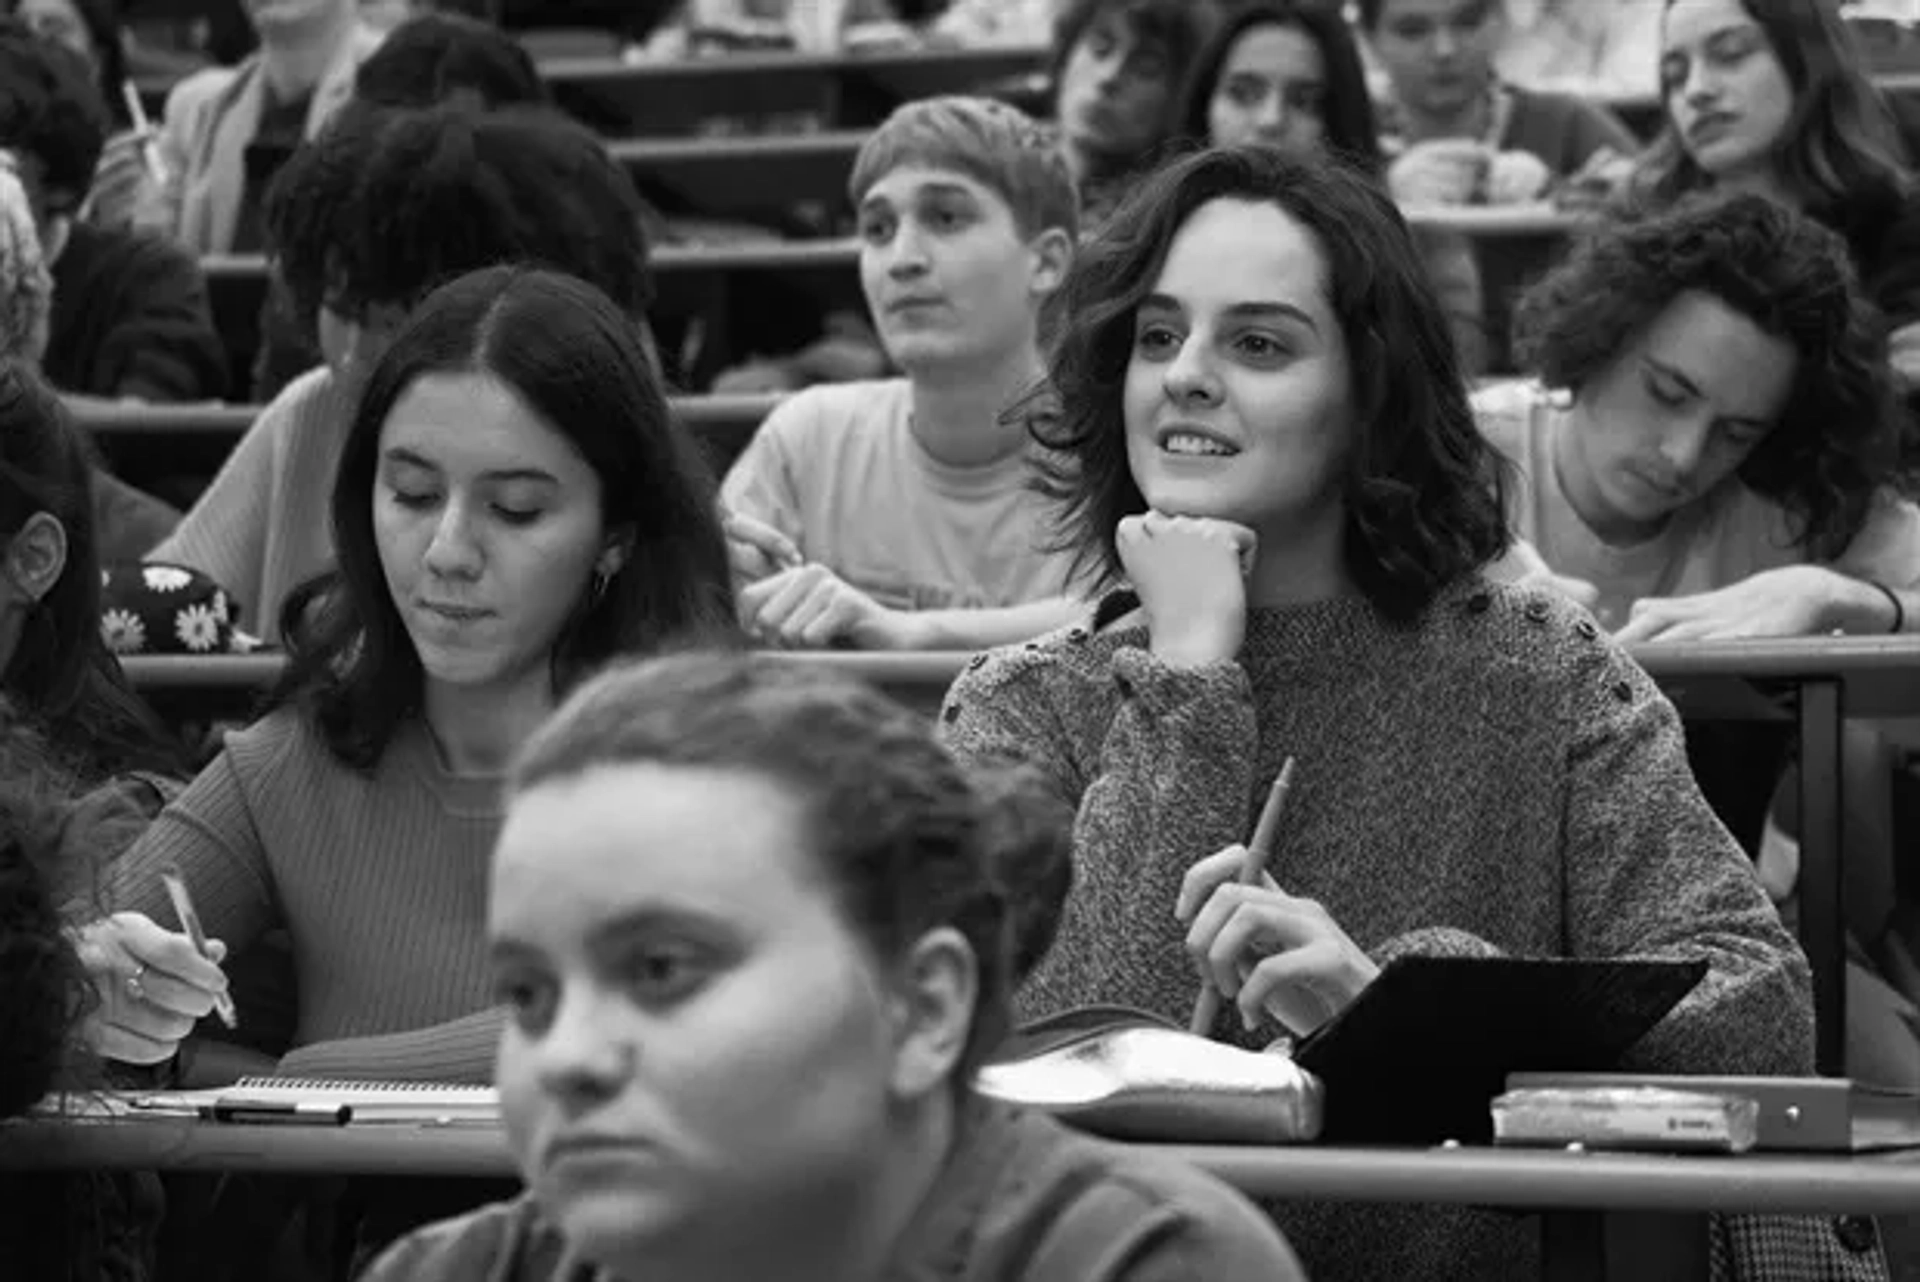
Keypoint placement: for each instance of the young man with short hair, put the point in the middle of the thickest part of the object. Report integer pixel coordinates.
(896, 514)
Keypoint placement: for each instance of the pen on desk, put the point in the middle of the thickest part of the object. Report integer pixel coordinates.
(283, 1114)
(1206, 1007)
(190, 922)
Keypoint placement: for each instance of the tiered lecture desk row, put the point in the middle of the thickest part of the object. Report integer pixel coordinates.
(716, 282)
(1624, 1216)
(790, 181)
(1815, 683)
(144, 442)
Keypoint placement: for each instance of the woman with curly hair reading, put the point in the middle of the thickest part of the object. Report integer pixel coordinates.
(1266, 447)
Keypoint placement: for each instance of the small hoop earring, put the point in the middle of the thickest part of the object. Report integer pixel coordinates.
(598, 591)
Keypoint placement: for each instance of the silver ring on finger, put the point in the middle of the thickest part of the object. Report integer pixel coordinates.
(135, 989)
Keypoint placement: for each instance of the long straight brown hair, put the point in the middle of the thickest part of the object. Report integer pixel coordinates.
(1841, 143)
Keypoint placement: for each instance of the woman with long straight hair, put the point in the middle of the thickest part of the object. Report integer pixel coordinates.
(514, 506)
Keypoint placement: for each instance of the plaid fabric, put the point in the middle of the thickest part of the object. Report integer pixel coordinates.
(1778, 1248)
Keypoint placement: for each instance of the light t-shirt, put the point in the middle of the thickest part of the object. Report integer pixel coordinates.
(836, 469)
(1728, 535)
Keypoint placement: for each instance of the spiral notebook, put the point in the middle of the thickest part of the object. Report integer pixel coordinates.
(372, 1103)
(418, 1103)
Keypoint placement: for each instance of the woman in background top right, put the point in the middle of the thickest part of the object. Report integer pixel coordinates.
(1771, 96)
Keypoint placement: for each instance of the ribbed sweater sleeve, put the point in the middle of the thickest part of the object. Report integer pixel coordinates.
(1651, 872)
(1170, 786)
(460, 1050)
(209, 832)
(379, 877)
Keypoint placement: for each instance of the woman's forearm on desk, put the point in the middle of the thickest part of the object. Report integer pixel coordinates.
(460, 1051)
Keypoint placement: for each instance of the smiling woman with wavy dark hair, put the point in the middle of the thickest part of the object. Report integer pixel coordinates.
(1418, 488)
(1262, 434)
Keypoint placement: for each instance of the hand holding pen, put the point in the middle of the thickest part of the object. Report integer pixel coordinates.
(153, 985)
(1276, 956)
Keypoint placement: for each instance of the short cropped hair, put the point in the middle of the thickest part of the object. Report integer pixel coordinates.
(1836, 442)
(994, 143)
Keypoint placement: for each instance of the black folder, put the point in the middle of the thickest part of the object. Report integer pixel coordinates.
(1419, 1056)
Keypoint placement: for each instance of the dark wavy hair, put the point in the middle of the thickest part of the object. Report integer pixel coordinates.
(1837, 439)
(1423, 489)
(61, 674)
(437, 56)
(1841, 148)
(1177, 28)
(389, 203)
(51, 111)
(909, 839)
(1352, 130)
(47, 993)
(576, 359)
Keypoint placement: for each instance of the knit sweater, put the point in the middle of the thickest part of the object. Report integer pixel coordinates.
(379, 878)
(264, 525)
(1497, 777)
(131, 317)
(1021, 1200)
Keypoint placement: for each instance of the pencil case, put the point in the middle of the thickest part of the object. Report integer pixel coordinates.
(1127, 1074)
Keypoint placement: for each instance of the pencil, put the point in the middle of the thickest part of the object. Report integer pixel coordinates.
(136, 110)
(1206, 1007)
(137, 113)
(176, 885)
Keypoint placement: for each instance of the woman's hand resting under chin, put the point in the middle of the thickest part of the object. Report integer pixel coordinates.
(1190, 574)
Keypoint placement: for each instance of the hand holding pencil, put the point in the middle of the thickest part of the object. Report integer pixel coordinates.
(1275, 956)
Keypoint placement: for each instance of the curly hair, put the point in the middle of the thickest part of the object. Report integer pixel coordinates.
(389, 203)
(1423, 488)
(1841, 146)
(908, 838)
(52, 112)
(436, 56)
(1351, 127)
(103, 22)
(1836, 442)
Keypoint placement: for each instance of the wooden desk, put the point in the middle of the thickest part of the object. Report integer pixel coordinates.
(141, 441)
(1605, 1215)
(1494, 222)
(706, 281)
(1817, 681)
(1784, 1184)
(754, 178)
(620, 99)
